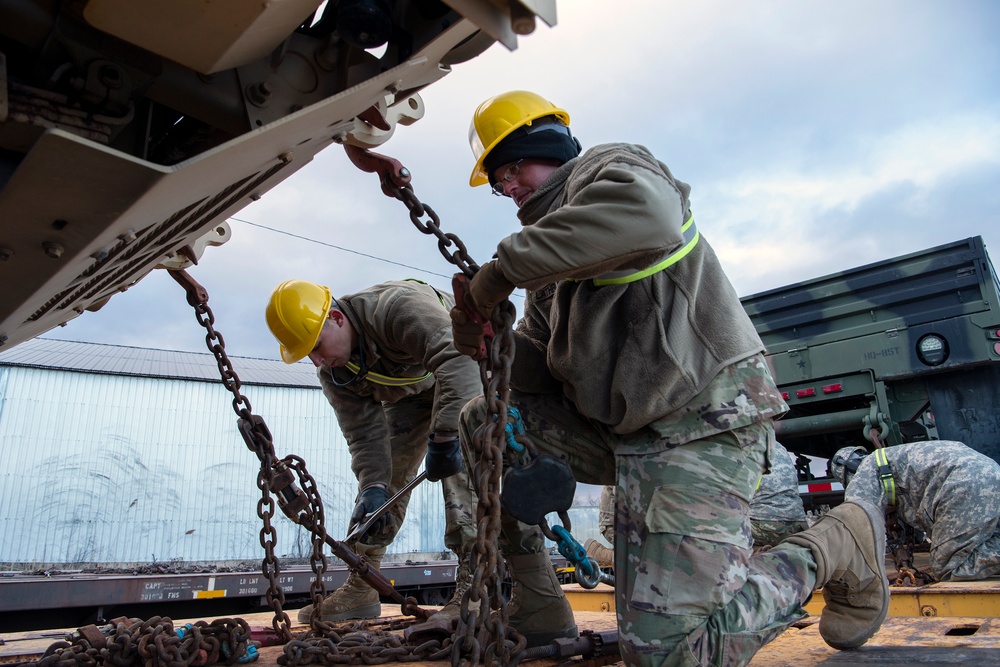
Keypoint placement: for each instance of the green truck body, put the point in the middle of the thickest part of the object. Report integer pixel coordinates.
(900, 350)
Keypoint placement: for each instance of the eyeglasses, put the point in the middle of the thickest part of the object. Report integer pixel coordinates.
(509, 174)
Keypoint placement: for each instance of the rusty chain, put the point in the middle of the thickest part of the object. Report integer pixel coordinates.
(901, 543)
(482, 632)
(151, 643)
(258, 439)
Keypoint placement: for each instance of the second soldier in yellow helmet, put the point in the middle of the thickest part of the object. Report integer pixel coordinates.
(386, 362)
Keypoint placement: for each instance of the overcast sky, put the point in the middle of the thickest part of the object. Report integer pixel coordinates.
(816, 136)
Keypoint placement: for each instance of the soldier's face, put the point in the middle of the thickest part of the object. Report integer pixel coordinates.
(519, 180)
(336, 341)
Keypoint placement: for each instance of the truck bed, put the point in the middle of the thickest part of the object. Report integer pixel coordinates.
(934, 285)
(910, 345)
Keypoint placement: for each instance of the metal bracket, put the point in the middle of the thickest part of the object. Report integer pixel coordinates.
(375, 125)
(190, 254)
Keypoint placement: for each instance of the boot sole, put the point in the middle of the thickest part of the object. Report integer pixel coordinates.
(535, 639)
(373, 610)
(876, 518)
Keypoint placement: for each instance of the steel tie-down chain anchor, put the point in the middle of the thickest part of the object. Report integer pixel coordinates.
(535, 485)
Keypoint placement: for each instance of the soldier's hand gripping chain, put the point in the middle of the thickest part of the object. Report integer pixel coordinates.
(468, 336)
(370, 500)
(443, 459)
(471, 332)
(489, 288)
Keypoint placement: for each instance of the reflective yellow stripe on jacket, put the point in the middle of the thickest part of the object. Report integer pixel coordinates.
(385, 380)
(690, 235)
(885, 475)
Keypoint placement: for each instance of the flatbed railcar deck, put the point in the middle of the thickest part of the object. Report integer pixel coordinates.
(902, 640)
(62, 598)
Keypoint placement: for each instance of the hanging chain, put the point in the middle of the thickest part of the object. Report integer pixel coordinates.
(258, 439)
(460, 257)
(482, 633)
(304, 506)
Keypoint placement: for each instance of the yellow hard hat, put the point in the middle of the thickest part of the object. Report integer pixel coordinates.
(498, 116)
(295, 315)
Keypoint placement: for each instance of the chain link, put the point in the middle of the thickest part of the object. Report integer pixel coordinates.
(151, 643)
(305, 508)
(460, 257)
(254, 431)
(482, 633)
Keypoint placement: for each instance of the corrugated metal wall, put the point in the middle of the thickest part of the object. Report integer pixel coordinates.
(120, 469)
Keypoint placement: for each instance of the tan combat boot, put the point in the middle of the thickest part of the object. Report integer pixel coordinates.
(604, 556)
(441, 624)
(463, 579)
(538, 608)
(354, 599)
(848, 545)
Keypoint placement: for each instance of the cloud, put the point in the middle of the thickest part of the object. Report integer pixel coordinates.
(913, 165)
(816, 136)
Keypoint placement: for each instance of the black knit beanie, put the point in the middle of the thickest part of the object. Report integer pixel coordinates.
(543, 140)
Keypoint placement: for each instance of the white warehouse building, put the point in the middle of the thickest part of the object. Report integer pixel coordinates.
(115, 456)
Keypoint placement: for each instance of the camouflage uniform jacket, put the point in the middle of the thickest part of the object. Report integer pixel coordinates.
(405, 329)
(777, 498)
(943, 488)
(629, 355)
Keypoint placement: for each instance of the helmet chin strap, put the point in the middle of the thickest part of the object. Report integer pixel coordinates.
(362, 371)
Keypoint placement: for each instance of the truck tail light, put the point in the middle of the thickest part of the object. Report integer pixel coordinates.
(932, 350)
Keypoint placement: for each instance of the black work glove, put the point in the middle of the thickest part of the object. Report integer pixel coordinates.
(443, 459)
(368, 501)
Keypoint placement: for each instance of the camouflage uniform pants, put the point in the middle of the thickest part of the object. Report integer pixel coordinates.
(409, 423)
(688, 590)
(769, 533)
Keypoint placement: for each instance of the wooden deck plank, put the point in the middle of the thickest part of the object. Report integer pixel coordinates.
(900, 641)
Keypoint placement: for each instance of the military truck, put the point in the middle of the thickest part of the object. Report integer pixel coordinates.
(901, 350)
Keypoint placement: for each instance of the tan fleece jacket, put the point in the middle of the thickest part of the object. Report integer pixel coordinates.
(406, 331)
(625, 354)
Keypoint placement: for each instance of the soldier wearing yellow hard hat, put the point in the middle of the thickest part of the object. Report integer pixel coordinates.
(518, 125)
(650, 377)
(387, 365)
